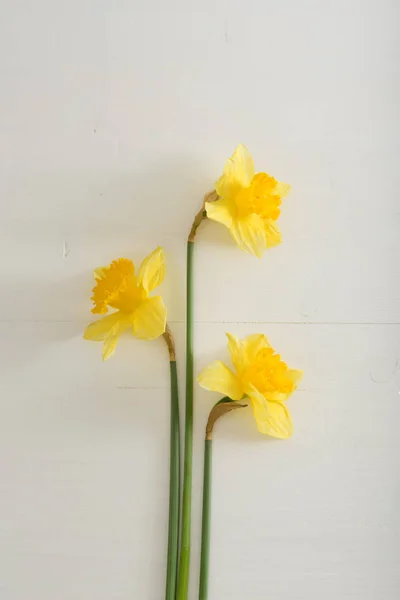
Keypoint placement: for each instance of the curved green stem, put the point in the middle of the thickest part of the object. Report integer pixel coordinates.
(174, 489)
(206, 521)
(184, 562)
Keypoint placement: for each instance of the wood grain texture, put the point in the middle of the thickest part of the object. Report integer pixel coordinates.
(115, 119)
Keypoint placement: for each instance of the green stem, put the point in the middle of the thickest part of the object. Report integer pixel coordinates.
(184, 562)
(206, 521)
(174, 489)
(223, 407)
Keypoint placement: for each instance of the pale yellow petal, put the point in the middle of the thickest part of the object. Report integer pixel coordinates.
(272, 418)
(252, 344)
(108, 330)
(278, 423)
(259, 405)
(223, 211)
(243, 165)
(109, 346)
(98, 330)
(249, 234)
(282, 189)
(238, 173)
(217, 377)
(150, 318)
(152, 270)
(272, 234)
(235, 348)
(110, 341)
(100, 272)
(277, 396)
(295, 375)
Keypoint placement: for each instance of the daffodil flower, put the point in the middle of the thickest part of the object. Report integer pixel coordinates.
(261, 376)
(248, 203)
(118, 287)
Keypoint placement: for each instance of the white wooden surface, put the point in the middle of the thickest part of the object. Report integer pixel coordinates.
(115, 118)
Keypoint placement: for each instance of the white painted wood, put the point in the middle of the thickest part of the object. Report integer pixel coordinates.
(115, 118)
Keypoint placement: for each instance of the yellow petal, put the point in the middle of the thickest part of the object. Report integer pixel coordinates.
(152, 270)
(272, 418)
(282, 189)
(252, 344)
(235, 348)
(150, 318)
(272, 233)
(217, 377)
(99, 330)
(222, 210)
(110, 341)
(249, 234)
(238, 173)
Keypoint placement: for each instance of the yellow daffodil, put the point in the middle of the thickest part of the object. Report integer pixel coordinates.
(248, 203)
(261, 376)
(118, 287)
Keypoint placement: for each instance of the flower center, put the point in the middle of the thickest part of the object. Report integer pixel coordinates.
(259, 198)
(116, 287)
(268, 373)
